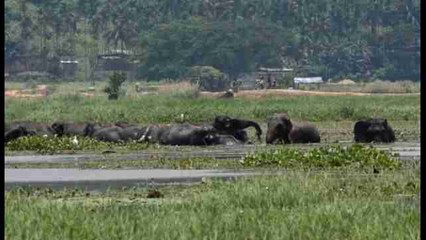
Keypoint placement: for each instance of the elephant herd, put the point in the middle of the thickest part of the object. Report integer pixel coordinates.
(223, 130)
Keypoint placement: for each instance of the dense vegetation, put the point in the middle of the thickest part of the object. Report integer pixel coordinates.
(167, 108)
(357, 39)
(297, 205)
(51, 145)
(357, 156)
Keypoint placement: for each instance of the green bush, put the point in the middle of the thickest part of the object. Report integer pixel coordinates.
(114, 86)
(384, 72)
(357, 156)
(51, 145)
(347, 112)
(210, 79)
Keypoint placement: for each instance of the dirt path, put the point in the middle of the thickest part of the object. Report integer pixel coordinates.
(286, 92)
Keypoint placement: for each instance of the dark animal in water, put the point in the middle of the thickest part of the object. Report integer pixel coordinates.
(186, 134)
(118, 134)
(73, 129)
(16, 133)
(228, 94)
(281, 128)
(38, 129)
(373, 129)
(235, 127)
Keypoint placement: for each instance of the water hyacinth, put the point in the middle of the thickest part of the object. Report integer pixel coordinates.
(357, 156)
(50, 145)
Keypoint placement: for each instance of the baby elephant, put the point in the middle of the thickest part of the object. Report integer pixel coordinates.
(16, 133)
(73, 129)
(373, 129)
(38, 129)
(280, 128)
(235, 127)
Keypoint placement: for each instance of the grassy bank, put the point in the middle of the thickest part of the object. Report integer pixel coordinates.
(298, 205)
(166, 108)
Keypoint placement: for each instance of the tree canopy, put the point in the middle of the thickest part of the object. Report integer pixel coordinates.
(358, 39)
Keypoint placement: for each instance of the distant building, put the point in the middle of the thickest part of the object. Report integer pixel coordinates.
(68, 68)
(307, 80)
(36, 66)
(26, 63)
(117, 60)
(269, 76)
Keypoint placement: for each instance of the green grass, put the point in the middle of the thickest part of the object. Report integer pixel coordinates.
(298, 205)
(166, 108)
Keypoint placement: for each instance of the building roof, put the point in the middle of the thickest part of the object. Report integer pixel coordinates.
(263, 69)
(308, 80)
(69, 61)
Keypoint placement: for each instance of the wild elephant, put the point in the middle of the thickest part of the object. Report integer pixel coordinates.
(235, 127)
(304, 132)
(154, 132)
(187, 134)
(74, 129)
(39, 129)
(221, 139)
(118, 134)
(17, 132)
(281, 128)
(180, 134)
(124, 124)
(373, 129)
(228, 94)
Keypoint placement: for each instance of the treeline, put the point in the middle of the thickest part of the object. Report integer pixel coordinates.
(363, 39)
